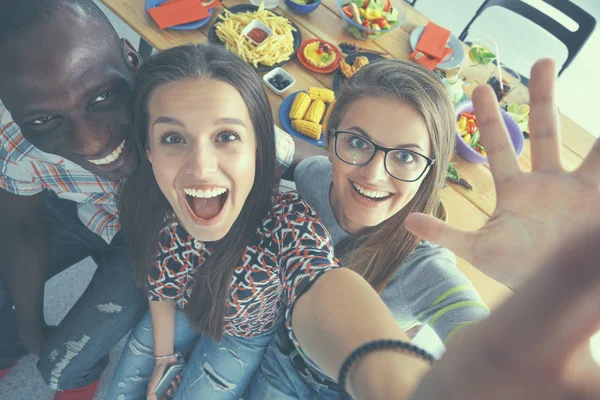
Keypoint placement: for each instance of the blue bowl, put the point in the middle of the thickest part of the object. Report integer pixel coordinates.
(183, 27)
(297, 8)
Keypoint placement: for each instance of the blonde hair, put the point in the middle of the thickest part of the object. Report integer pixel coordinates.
(377, 253)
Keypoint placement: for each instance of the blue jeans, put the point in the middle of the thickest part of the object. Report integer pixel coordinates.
(214, 371)
(76, 352)
(278, 379)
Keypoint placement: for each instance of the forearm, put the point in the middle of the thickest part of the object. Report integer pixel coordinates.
(163, 326)
(338, 314)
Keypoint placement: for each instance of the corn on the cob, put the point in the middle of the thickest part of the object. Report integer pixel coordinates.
(327, 115)
(323, 94)
(299, 106)
(315, 112)
(307, 128)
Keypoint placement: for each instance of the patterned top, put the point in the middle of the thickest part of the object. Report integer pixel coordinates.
(290, 250)
(26, 171)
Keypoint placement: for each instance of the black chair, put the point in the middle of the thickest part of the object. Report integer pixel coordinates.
(574, 41)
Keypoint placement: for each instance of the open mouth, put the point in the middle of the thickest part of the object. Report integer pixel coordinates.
(205, 204)
(111, 158)
(371, 195)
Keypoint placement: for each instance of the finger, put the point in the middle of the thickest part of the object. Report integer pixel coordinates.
(151, 395)
(543, 120)
(556, 311)
(436, 231)
(581, 375)
(500, 150)
(589, 170)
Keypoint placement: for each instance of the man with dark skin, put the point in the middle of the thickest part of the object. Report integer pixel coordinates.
(65, 86)
(66, 81)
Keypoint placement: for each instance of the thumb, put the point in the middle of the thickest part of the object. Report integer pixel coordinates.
(436, 231)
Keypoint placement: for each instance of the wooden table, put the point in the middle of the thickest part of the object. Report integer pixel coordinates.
(466, 209)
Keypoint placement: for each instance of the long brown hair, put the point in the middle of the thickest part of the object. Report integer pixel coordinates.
(377, 253)
(143, 207)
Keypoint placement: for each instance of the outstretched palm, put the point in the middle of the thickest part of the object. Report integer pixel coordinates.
(534, 211)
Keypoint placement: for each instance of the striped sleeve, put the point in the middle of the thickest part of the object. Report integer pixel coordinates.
(437, 293)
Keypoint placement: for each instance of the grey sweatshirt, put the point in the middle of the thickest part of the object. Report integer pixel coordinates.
(428, 288)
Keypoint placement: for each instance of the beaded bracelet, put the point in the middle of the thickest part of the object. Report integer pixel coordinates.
(378, 345)
(176, 354)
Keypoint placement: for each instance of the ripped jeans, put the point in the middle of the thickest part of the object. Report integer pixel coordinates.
(213, 371)
(76, 352)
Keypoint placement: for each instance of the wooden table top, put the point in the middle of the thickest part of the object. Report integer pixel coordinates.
(467, 209)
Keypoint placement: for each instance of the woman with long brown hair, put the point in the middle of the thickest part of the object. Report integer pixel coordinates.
(391, 135)
(224, 257)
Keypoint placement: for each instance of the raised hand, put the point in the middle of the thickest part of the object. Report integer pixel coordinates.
(535, 211)
(536, 345)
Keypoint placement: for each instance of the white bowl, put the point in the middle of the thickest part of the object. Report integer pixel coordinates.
(256, 24)
(284, 74)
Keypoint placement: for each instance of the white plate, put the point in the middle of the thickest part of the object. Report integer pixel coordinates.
(454, 60)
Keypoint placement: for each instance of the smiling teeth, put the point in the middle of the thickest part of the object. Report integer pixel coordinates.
(112, 157)
(370, 193)
(204, 194)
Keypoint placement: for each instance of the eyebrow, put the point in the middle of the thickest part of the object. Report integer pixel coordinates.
(167, 120)
(401, 146)
(92, 89)
(173, 121)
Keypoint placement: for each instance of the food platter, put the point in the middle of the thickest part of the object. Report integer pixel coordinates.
(284, 112)
(213, 37)
(330, 68)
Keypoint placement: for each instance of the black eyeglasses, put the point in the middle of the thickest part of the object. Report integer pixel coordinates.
(402, 164)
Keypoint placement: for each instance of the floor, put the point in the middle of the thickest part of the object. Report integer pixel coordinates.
(576, 89)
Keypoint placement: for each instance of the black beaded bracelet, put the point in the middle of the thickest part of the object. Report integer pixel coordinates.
(378, 345)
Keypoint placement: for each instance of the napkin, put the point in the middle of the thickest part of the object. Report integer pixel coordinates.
(428, 61)
(433, 40)
(177, 12)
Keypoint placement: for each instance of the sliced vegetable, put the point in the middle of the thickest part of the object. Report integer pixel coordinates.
(388, 6)
(475, 140)
(348, 11)
(471, 126)
(355, 13)
(373, 13)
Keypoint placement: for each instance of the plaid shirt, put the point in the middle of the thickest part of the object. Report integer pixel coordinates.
(26, 171)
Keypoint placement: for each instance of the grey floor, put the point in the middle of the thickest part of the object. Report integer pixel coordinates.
(520, 46)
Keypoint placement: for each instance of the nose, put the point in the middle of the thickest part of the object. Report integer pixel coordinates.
(89, 138)
(202, 161)
(374, 170)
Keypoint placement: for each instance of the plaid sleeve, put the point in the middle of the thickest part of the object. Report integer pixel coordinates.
(285, 147)
(305, 250)
(20, 187)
